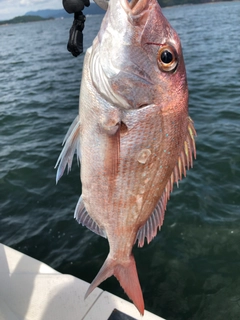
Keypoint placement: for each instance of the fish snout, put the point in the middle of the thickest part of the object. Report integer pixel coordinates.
(134, 7)
(103, 4)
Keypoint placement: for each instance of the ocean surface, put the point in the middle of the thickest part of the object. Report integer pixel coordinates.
(191, 270)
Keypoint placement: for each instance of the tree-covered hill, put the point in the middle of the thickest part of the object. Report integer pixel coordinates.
(166, 3)
(93, 9)
(23, 19)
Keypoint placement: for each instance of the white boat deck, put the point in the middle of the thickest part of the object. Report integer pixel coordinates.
(31, 290)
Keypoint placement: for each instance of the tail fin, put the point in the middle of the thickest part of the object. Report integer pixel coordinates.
(127, 276)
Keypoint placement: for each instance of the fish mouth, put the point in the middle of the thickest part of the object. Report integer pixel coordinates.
(103, 4)
(134, 7)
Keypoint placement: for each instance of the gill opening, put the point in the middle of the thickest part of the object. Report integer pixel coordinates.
(123, 128)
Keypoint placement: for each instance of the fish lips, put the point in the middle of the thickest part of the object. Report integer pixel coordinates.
(138, 11)
(135, 7)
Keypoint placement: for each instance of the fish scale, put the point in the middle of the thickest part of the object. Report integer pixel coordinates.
(133, 135)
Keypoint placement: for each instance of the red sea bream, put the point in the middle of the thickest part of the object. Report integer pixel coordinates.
(133, 134)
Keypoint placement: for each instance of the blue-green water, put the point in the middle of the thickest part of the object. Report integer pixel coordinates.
(191, 270)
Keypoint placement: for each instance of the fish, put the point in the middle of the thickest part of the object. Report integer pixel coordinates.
(133, 135)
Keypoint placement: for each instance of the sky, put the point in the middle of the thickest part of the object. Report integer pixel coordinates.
(12, 8)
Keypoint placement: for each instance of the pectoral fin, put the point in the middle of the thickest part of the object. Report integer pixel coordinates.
(112, 155)
(71, 144)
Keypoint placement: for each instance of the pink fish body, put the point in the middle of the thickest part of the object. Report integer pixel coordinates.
(133, 135)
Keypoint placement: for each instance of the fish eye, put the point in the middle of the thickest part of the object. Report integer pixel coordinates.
(167, 58)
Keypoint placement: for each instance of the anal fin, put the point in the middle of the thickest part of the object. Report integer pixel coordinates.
(83, 218)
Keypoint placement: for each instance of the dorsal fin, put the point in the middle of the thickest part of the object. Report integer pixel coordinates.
(71, 144)
(150, 228)
(83, 218)
(185, 160)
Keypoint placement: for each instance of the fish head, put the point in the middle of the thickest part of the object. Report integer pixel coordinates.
(139, 57)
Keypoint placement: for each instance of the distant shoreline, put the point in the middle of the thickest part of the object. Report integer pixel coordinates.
(198, 3)
(49, 14)
(23, 19)
(174, 3)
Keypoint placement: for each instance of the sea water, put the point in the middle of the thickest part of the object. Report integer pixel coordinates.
(191, 269)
